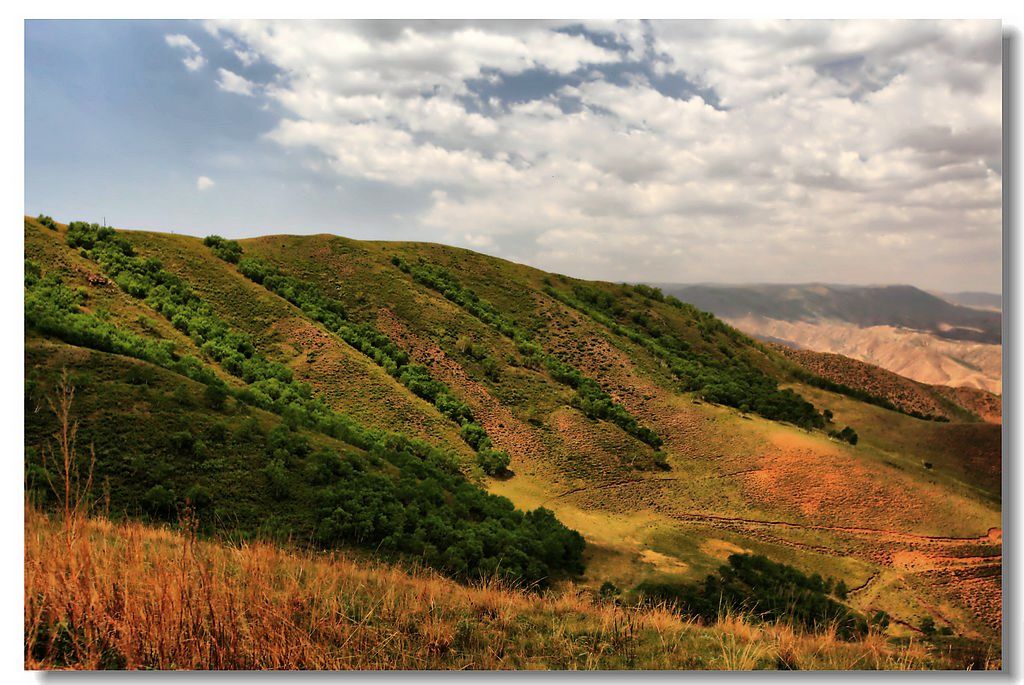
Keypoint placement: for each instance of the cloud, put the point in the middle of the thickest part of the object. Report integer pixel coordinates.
(244, 55)
(204, 183)
(231, 82)
(661, 150)
(193, 59)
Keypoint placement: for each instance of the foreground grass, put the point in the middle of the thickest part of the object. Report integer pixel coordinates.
(101, 595)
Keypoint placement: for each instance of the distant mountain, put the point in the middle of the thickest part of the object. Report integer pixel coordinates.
(900, 328)
(978, 300)
(902, 306)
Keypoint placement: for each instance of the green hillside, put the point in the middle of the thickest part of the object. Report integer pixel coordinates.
(436, 405)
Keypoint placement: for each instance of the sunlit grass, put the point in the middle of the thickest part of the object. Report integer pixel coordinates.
(126, 595)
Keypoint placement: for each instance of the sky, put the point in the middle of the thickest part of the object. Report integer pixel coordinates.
(662, 151)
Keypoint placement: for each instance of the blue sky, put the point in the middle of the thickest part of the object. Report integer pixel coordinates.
(116, 127)
(858, 152)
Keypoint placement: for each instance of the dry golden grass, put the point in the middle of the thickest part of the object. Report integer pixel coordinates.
(126, 595)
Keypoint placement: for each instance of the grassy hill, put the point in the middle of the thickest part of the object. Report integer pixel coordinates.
(281, 381)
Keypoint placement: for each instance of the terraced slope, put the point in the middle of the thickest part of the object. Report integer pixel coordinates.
(561, 374)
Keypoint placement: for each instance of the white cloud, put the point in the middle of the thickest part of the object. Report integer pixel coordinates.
(178, 40)
(231, 82)
(193, 60)
(204, 183)
(813, 137)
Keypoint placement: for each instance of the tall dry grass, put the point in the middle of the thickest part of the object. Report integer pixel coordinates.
(125, 595)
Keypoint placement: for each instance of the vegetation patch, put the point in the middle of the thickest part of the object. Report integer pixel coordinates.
(757, 586)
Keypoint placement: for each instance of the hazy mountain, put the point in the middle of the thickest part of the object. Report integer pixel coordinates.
(899, 328)
(902, 306)
(977, 300)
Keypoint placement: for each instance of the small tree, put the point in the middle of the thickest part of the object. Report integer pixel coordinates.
(73, 486)
(215, 396)
(493, 462)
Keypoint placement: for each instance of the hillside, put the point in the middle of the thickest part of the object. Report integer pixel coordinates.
(912, 397)
(482, 411)
(900, 328)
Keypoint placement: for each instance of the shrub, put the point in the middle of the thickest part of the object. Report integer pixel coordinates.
(493, 462)
(726, 379)
(278, 480)
(183, 442)
(590, 398)
(847, 434)
(47, 221)
(228, 250)
(215, 396)
(160, 502)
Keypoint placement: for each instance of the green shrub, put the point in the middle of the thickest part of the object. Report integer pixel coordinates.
(847, 434)
(228, 250)
(493, 462)
(215, 396)
(727, 379)
(160, 502)
(278, 480)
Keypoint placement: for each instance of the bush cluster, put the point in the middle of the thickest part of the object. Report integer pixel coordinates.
(590, 398)
(145, 278)
(817, 381)
(228, 250)
(446, 521)
(847, 434)
(757, 586)
(54, 309)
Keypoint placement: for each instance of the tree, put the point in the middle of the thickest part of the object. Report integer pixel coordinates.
(215, 396)
(160, 501)
(493, 462)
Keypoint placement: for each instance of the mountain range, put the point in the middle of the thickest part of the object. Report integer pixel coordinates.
(900, 328)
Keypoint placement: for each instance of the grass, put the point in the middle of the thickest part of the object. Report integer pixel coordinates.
(127, 595)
